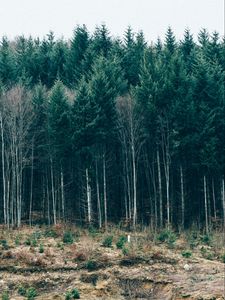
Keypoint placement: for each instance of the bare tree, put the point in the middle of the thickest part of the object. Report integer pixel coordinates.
(129, 124)
(15, 133)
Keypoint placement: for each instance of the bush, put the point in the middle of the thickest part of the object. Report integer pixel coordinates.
(92, 231)
(68, 237)
(74, 294)
(91, 265)
(5, 296)
(68, 296)
(206, 239)
(4, 244)
(125, 251)
(121, 241)
(223, 258)
(31, 293)
(186, 254)
(21, 290)
(50, 233)
(17, 240)
(167, 236)
(107, 242)
(41, 248)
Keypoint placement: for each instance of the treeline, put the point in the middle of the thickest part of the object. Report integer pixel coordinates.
(99, 129)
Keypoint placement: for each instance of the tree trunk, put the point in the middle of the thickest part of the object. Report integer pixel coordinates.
(88, 192)
(104, 191)
(98, 196)
(6, 221)
(53, 193)
(134, 187)
(206, 208)
(160, 191)
(62, 193)
(31, 185)
(214, 200)
(182, 196)
(223, 200)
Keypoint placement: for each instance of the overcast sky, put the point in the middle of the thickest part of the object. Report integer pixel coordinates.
(38, 17)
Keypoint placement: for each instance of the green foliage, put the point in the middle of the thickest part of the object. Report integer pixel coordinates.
(68, 237)
(31, 293)
(125, 251)
(76, 116)
(186, 254)
(21, 290)
(17, 240)
(5, 296)
(107, 242)
(167, 236)
(91, 265)
(31, 241)
(4, 244)
(73, 294)
(50, 233)
(121, 241)
(92, 231)
(206, 239)
(223, 258)
(41, 248)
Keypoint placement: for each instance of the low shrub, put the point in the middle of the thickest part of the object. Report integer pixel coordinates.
(107, 242)
(4, 244)
(41, 248)
(73, 294)
(206, 239)
(186, 254)
(91, 265)
(167, 236)
(17, 240)
(50, 233)
(125, 251)
(68, 237)
(121, 241)
(223, 258)
(5, 296)
(21, 290)
(31, 293)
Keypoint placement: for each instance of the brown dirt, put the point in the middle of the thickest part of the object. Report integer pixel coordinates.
(153, 272)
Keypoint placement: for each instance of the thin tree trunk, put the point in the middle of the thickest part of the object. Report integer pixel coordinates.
(206, 208)
(104, 191)
(48, 200)
(160, 191)
(223, 200)
(98, 196)
(62, 193)
(214, 199)
(88, 192)
(53, 193)
(6, 221)
(134, 187)
(31, 185)
(182, 196)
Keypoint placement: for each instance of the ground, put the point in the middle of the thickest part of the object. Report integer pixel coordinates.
(99, 265)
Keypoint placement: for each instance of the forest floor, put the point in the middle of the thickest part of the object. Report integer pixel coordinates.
(61, 262)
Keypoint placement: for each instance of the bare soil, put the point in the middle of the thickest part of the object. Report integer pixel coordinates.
(146, 270)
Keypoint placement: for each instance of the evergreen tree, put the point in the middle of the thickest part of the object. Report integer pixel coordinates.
(7, 63)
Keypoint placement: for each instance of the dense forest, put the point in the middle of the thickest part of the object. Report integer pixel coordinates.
(100, 130)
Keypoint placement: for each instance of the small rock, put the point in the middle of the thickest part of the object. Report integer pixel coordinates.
(187, 267)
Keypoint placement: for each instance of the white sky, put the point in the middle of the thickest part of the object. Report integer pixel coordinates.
(38, 17)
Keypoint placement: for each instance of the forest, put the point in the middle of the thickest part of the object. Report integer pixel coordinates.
(101, 130)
